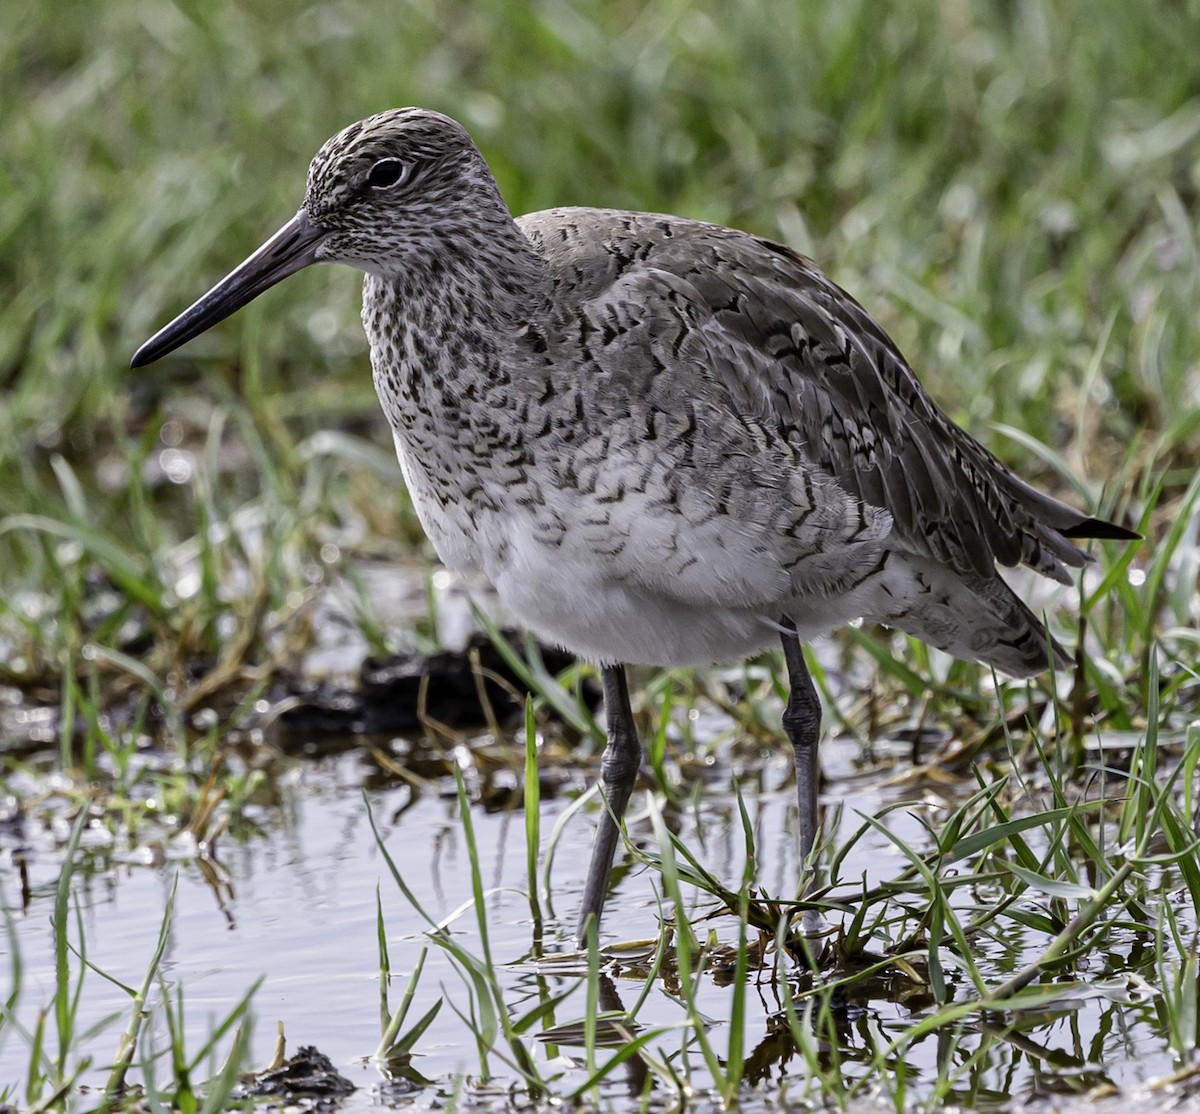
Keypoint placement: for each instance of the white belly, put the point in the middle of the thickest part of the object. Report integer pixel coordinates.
(612, 623)
(677, 594)
(722, 606)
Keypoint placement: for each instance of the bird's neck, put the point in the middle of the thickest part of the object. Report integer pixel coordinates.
(475, 278)
(448, 335)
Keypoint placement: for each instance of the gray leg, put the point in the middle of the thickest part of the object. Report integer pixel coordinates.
(618, 772)
(802, 722)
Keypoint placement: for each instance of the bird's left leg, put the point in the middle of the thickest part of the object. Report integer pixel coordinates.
(618, 772)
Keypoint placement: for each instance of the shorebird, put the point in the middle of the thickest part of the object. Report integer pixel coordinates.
(664, 442)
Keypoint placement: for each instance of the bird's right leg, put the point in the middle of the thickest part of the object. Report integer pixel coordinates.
(802, 723)
(618, 772)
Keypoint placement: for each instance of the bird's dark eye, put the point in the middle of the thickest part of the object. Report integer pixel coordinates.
(387, 173)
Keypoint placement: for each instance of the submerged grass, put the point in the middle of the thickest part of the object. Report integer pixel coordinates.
(1011, 188)
(52, 1075)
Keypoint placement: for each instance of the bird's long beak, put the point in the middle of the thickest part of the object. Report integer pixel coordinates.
(294, 246)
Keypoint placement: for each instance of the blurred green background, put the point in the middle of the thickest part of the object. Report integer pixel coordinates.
(1011, 187)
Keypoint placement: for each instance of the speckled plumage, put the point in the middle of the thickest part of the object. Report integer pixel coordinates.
(663, 441)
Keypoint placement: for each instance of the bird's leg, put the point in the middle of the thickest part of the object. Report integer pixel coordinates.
(802, 723)
(618, 771)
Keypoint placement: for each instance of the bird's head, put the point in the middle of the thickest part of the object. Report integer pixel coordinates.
(383, 195)
(395, 186)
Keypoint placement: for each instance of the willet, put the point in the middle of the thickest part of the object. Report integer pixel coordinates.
(664, 442)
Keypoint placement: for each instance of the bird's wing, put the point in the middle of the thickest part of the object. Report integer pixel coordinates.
(831, 376)
(795, 354)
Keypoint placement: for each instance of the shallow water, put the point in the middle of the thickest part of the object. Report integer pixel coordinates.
(296, 906)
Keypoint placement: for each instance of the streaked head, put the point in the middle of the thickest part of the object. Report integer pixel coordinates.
(393, 185)
(382, 194)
